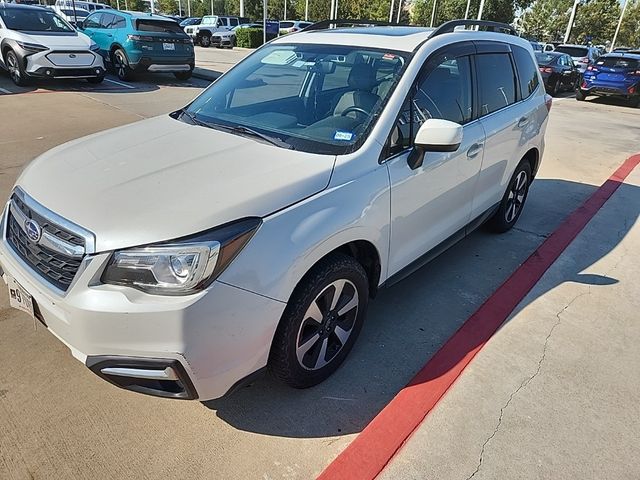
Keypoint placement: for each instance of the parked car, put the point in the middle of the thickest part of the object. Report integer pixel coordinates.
(36, 43)
(582, 55)
(72, 16)
(180, 255)
(559, 73)
(89, 6)
(614, 74)
(542, 47)
(191, 21)
(139, 42)
(202, 34)
(291, 26)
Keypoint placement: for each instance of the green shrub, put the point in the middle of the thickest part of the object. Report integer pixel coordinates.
(250, 37)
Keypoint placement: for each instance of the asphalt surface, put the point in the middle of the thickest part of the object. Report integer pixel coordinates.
(61, 421)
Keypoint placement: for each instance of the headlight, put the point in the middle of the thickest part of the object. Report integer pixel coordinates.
(183, 266)
(32, 47)
(94, 47)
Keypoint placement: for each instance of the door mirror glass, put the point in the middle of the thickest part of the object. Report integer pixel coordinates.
(435, 135)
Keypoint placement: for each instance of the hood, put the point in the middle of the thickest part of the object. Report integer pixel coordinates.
(160, 179)
(69, 41)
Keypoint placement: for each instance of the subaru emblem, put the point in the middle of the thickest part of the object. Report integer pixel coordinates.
(72, 55)
(33, 230)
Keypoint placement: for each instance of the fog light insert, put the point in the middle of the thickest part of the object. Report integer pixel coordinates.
(48, 72)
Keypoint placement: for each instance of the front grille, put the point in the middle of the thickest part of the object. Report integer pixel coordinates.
(55, 267)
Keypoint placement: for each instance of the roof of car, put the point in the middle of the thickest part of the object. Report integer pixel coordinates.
(628, 54)
(21, 6)
(144, 15)
(399, 38)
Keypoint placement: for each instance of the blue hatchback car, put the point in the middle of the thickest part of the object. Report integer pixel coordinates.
(135, 42)
(613, 74)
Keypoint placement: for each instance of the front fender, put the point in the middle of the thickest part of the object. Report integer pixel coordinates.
(290, 242)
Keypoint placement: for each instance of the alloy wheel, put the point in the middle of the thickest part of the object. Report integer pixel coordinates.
(120, 65)
(516, 196)
(327, 325)
(14, 68)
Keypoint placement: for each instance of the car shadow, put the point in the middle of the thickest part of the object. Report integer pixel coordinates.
(410, 321)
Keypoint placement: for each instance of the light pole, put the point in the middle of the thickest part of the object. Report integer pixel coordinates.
(481, 9)
(466, 12)
(285, 10)
(615, 35)
(264, 20)
(188, 8)
(306, 10)
(391, 12)
(242, 8)
(211, 7)
(572, 19)
(180, 8)
(433, 12)
(333, 6)
(399, 10)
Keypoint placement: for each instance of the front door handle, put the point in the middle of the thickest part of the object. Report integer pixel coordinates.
(474, 150)
(523, 122)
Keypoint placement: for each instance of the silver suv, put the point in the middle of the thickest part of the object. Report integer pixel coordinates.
(181, 255)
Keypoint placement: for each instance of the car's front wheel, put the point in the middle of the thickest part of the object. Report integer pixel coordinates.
(205, 41)
(16, 71)
(634, 101)
(121, 65)
(513, 200)
(321, 322)
(580, 95)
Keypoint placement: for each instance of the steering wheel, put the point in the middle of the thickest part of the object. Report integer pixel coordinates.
(348, 110)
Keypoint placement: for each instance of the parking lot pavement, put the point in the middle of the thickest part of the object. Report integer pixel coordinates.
(61, 421)
(212, 62)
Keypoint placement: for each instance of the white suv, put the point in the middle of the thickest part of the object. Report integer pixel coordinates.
(180, 255)
(35, 42)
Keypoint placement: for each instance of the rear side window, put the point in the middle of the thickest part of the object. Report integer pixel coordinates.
(619, 62)
(527, 71)
(158, 26)
(496, 81)
(118, 22)
(107, 20)
(573, 51)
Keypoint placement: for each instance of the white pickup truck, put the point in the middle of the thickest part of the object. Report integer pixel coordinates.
(214, 30)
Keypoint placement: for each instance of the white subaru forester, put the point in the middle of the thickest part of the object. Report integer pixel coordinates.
(181, 255)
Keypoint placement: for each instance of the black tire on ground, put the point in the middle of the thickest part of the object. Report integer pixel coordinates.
(580, 95)
(183, 75)
(634, 101)
(296, 356)
(96, 80)
(121, 65)
(555, 90)
(513, 201)
(15, 68)
(205, 41)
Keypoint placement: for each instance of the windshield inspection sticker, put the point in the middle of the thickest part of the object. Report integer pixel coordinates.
(341, 135)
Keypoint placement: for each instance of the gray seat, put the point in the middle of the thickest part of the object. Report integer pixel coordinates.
(362, 80)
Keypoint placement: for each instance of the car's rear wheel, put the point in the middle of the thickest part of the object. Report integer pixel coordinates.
(16, 71)
(580, 95)
(634, 101)
(320, 323)
(555, 90)
(183, 75)
(513, 200)
(121, 65)
(205, 41)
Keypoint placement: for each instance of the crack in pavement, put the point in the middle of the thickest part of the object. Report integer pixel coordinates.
(529, 232)
(620, 235)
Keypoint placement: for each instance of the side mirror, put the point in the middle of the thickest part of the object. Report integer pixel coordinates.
(435, 135)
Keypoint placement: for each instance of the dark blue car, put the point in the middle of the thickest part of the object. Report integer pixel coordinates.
(615, 74)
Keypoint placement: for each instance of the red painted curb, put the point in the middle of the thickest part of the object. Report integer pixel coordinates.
(372, 449)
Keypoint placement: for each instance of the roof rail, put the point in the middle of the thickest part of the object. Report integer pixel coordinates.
(327, 24)
(450, 26)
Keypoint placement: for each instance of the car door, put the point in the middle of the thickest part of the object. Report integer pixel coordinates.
(433, 202)
(502, 116)
(103, 35)
(91, 26)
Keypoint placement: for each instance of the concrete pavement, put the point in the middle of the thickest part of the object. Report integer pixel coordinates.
(213, 62)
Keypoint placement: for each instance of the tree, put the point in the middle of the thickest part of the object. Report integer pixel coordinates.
(596, 22)
(546, 20)
(168, 7)
(629, 34)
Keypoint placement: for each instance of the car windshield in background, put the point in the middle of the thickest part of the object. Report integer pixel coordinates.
(314, 98)
(545, 58)
(573, 51)
(286, 24)
(34, 20)
(619, 62)
(160, 26)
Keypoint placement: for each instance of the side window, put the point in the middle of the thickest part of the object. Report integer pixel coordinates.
(224, 22)
(444, 93)
(118, 22)
(496, 81)
(527, 71)
(93, 21)
(233, 22)
(106, 20)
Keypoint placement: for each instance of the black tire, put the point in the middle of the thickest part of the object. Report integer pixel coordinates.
(205, 41)
(580, 95)
(556, 88)
(289, 361)
(96, 80)
(121, 66)
(634, 101)
(15, 68)
(515, 197)
(183, 75)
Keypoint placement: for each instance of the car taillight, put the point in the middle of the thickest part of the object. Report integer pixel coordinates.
(637, 72)
(591, 68)
(546, 69)
(584, 84)
(631, 90)
(548, 101)
(140, 38)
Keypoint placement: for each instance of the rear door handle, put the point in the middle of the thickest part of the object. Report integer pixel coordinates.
(474, 150)
(523, 122)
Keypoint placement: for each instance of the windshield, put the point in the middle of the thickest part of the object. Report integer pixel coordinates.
(573, 51)
(34, 20)
(209, 20)
(315, 98)
(545, 58)
(160, 26)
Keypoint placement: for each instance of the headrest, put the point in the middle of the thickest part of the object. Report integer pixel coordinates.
(362, 77)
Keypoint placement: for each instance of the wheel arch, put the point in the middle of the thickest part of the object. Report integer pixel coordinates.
(533, 157)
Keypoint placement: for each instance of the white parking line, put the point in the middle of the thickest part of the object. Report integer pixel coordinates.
(4, 91)
(119, 83)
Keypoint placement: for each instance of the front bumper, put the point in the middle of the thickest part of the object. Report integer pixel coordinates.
(61, 73)
(64, 64)
(210, 340)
